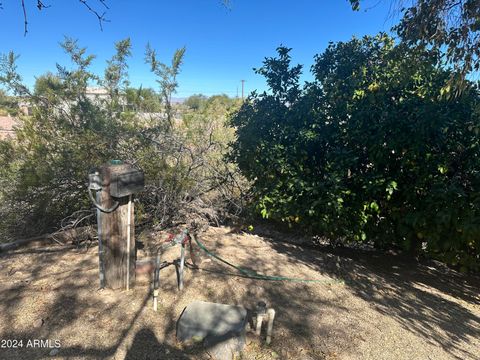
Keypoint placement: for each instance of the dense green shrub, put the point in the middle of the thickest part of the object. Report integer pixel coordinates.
(374, 149)
(43, 170)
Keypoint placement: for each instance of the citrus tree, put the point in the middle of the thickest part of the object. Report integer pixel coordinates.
(372, 150)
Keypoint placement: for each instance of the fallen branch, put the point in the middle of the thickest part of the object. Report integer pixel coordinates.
(61, 238)
(15, 244)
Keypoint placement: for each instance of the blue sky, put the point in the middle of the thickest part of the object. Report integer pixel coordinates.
(223, 44)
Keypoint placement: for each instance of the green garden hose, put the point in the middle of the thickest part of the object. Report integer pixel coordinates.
(254, 275)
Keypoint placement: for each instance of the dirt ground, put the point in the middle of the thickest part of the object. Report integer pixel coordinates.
(387, 308)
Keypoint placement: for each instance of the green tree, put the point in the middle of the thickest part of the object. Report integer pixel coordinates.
(143, 100)
(8, 104)
(449, 25)
(196, 102)
(371, 150)
(207, 121)
(47, 85)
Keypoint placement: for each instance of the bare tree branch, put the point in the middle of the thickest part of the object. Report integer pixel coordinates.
(104, 4)
(41, 5)
(101, 17)
(24, 19)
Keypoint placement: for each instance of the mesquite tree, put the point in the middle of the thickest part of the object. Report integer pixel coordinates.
(43, 170)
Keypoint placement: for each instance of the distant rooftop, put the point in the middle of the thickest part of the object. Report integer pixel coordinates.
(96, 91)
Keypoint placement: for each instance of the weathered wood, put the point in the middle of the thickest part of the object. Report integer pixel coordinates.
(101, 252)
(113, 234)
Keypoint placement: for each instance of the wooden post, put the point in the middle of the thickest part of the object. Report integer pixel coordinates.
(101, 252)
(113, 232)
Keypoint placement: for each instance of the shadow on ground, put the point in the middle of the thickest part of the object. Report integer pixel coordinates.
(426, 298)
(53, 294)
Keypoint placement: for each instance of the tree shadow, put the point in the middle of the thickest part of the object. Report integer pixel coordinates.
(297, 331)
(39, 303)
(426, 298)
(146, 346)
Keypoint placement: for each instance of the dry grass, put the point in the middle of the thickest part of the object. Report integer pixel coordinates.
(388, 308)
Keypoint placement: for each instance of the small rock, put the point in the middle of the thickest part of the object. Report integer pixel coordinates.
(54, 352)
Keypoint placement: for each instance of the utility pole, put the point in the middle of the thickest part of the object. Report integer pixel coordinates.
(243, 83)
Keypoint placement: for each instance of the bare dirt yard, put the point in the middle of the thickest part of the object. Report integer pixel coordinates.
(387, 308)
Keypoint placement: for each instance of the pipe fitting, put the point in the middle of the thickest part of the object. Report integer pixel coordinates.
(271, 317)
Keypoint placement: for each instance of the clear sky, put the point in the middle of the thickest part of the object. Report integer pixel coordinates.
(223, 44)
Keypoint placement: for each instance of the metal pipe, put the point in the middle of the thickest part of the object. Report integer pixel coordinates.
(156, 279)
(155, 300)
(258, 328)
(271, 317)
(181, 267)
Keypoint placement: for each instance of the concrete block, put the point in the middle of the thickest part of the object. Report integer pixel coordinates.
(221, 327)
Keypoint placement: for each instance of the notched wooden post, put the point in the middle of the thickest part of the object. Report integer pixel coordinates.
(119, 183)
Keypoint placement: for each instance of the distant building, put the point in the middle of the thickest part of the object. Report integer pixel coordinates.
(7, 125)
(25, 107)
(96, 93)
